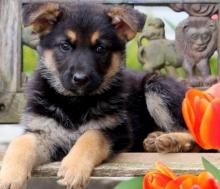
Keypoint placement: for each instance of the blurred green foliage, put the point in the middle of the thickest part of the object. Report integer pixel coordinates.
(214, 64)
(29, 59)
(131, 55)
(134, 183)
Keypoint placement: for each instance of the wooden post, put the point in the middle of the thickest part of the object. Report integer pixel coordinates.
(10, 59)
(10, 44)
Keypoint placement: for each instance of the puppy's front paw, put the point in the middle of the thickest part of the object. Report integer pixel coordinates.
(74, 175)
(149, 142)
(12, 184)
(13, 179)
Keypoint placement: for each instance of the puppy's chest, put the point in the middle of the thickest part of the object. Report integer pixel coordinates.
(75, 112)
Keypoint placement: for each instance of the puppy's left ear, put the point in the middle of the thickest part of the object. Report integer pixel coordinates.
(127, 21)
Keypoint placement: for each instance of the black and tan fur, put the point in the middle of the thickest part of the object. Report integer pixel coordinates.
(82, 105)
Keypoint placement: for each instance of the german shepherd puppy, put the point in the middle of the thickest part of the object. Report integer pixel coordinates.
(82, 105)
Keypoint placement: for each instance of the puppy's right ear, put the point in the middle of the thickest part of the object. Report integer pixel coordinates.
(41, 16)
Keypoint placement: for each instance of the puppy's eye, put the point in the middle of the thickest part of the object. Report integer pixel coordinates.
(100, 49)
(65, 46)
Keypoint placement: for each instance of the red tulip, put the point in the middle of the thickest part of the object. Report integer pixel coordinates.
(164, 178)
(201, 112)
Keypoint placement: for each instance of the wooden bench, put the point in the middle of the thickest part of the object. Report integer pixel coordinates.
(137, 164)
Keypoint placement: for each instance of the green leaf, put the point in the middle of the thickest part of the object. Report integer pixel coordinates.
(211, 168)
(134, 183)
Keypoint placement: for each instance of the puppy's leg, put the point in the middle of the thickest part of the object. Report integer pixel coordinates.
(21, 156)
(176, 142)
(89, 151)
(36, 147)
(164, 98)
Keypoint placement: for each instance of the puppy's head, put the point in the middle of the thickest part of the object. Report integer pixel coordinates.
(82, 45)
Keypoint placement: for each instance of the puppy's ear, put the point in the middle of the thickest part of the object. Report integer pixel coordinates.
(41, 16)
(127, 21)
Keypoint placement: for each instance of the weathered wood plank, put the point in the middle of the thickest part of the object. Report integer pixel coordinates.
(10, 45)
(137, 2)
(10, 59)
(11, 105)
(137, 164)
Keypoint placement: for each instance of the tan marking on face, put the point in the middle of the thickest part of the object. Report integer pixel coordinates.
(49, 60)
(91, 149)
(95, 36)
(19, 160)
(54, 80)
(115, 65)
(71, 35)
(112, 70)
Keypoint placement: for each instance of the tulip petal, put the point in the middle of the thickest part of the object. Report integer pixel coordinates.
(193, 110)
(214, 90)
(206, 181)
(155, 180)
(165, 170)
(160, 180)
(210, 126)
(200, 105)
(189, 182)
(188, 115)
(208, 96)
(191, 93)
(177, 183)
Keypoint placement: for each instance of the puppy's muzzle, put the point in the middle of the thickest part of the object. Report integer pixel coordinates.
(80, 79)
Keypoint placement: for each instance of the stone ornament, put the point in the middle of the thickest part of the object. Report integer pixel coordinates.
(159, 53)
(196, 40)
(200, 10)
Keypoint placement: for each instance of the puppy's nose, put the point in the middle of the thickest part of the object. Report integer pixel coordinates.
(80, 78)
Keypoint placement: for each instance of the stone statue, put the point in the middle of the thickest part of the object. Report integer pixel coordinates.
(196, 40)
(194, 9)
(159, 52)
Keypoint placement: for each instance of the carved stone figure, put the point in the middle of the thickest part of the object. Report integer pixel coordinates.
(154, 30)
(159, 52)
(196, 9)
(196, 40)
